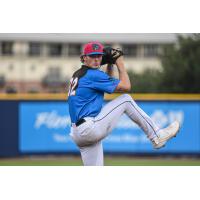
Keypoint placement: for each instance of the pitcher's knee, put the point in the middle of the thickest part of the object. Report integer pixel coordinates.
(127, 97)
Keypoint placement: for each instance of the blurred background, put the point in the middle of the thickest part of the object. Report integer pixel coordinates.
(35, 69)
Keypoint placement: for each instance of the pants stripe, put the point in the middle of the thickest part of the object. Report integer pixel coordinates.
(135, 109)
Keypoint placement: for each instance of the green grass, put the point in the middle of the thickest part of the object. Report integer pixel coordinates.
(109, 161)
(152, 162)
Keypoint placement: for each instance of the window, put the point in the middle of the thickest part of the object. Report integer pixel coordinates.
(74, 50)
(150, 50)
(32, 68)
(11, 89)
(7, 48)
(53, 77)
(34, 49)
(55, 49)
(2, 81)
(130, 50)
(10, 67)
(33, 90)
(54, 72)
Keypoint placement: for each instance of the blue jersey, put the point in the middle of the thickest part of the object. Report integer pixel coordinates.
(86, 92)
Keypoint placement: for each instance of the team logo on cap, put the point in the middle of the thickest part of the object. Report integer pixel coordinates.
(95, 47)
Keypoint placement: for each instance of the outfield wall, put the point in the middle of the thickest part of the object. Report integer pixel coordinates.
(31, 124)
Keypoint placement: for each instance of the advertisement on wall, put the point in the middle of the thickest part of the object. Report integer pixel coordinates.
(45, 127)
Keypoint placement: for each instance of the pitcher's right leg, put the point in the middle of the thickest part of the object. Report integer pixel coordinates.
(92, 155)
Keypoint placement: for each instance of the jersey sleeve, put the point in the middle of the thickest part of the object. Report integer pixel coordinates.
(103, 82)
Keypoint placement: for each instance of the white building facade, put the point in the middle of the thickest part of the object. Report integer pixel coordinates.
(44, 62)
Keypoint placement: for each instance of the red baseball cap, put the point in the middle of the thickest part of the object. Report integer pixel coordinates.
(93, 48)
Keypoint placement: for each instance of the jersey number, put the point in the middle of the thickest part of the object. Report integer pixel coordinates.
(72, 86)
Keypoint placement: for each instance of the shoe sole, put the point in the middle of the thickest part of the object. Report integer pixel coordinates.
(170, 137)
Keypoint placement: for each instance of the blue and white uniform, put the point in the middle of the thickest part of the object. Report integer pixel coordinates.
(89, 93)
(91, 121)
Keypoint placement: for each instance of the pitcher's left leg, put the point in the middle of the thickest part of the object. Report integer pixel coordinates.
(107, 119)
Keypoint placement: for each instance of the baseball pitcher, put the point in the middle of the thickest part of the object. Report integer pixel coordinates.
(92, 122)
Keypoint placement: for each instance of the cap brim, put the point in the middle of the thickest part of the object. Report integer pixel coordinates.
(95, 53)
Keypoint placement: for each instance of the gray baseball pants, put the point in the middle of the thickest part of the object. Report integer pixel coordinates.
(89, 135)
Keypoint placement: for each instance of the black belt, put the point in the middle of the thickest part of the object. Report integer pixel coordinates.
(80, 121)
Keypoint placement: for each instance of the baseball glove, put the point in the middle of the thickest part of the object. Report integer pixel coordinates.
(110, 55)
